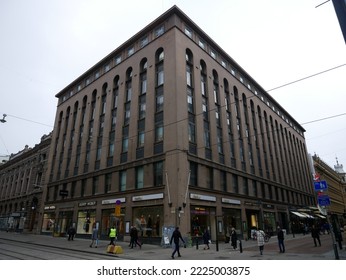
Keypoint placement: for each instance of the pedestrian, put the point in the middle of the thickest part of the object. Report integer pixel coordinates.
(315, 234)
(176, 236)
(345, 235)
(206, 239)
(134, 238)
(281, 238)
(71, 233)
(112, 235)
(338, 237)
(260, 240)
(94, 236)
(234, 238)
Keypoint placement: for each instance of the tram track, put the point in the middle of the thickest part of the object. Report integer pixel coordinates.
(20, 250)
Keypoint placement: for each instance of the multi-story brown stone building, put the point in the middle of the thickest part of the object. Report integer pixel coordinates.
(22, 180)
(169, 130)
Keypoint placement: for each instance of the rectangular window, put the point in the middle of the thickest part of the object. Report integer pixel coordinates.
(117, 60)
(159, 75)
(108, 182)
(158, 173)
(139, 177)
(95, 185)
(235, 183)
(141, 133)
(144, 83)
(193, 174)
(223, 180)
(210, 178)
(107, 67)
(159, 31)
(142, 107)
(125, 141)
(127, 113)
(201, 44)
(122, 181)
(144, 41)
(99, 148)
(188, 32)
(188, 75)
(130, 51)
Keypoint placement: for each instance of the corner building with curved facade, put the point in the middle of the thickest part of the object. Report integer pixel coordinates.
(169, 130)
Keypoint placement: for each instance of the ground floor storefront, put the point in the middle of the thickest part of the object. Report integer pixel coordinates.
(155, 218)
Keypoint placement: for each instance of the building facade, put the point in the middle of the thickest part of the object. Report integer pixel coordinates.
(336, 191)
(21, 186)
(169, 130)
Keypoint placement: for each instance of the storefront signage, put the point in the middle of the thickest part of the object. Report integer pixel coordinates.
(15, 214)
(230, 201)
(113, 201)
(90, 203)
(52, 207)
(202, 197)
(268, 206)
(147, 197)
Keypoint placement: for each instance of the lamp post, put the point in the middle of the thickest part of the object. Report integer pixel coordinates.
(3, 118)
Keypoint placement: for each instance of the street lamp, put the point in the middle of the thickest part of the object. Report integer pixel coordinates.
(3, 118)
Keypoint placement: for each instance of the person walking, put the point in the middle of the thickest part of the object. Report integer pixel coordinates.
(345, 235)
(234, 238)
(71, 233)
(338, 237)
(260, 240)
(112, 235)
(94, 236)
(206, 238)
(281, 237)
(315, 234)
(176, 236)
(134, 238)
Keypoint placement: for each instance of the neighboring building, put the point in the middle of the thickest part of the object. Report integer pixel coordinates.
(169, 130)
(336, 182)
(21, 184)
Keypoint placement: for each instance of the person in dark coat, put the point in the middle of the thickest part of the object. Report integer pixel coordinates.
(234, 238)
(71, 233)
(281, 238)
(176, 236)
(315, 234)
(338, 238)
(134, 238)
(206, 238)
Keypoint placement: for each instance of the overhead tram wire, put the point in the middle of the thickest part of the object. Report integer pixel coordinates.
(308, 77)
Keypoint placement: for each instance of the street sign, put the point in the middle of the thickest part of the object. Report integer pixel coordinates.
(323, 200)
(117, 208)
(320, 186)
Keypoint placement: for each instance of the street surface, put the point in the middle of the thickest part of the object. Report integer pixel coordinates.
(16, 246)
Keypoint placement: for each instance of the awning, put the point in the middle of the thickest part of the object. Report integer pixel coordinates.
(298, 214)
(308, 216)
(318, 215)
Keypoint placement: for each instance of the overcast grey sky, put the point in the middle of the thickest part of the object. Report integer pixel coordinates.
(45, 45)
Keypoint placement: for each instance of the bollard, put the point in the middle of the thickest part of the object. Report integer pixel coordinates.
(196, 242)
(240, 247)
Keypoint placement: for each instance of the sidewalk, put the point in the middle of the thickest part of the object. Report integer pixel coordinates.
(299, 247)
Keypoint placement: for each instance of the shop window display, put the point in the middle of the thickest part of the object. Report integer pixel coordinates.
(85, 221)
(48, 222)
(148, 221)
